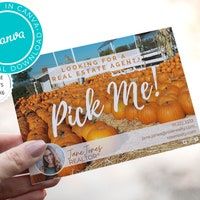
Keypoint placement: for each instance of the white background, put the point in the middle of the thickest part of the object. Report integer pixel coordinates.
(174, 175)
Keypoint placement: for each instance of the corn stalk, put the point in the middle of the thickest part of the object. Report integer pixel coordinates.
(166, 41)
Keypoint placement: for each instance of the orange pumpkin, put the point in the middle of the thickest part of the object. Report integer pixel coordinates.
(153, 97)
(170, 111)
(184, 89)
(177, 73)
(75, 102)
(186, 103)
(87, 127)
(149, 78)
(148, 71)
(172, 89)
(79, 130)
(35, 135)
(24, 127)
(120, 114)
(107, 106)
(166, 98)
(162, 86)
(141, 79)
(179, 83)
(163, 77)
(82, 103)
(101, 132)
(62, 129)
(133, 75)
(148, 114)
(66, 139)
(131, 112)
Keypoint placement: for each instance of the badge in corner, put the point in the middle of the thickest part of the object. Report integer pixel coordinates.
(21, 38)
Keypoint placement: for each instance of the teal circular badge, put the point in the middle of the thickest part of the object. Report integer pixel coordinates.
(21, 38)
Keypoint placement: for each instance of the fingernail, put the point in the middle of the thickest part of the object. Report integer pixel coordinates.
(35, 148)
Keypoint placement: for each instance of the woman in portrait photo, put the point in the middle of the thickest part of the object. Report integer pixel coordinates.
(51, 163)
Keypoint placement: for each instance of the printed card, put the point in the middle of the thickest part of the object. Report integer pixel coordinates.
(105, 103)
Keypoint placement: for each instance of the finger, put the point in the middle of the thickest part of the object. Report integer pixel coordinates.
(20, 158)
(18, 186)
(8, 141)
(35, 195)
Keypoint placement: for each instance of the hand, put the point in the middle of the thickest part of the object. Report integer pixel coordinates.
(15, 159)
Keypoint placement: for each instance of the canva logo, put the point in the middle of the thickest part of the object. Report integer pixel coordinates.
(11, 38)
(20, 38)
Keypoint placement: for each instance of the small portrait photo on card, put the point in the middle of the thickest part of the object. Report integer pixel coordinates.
(52, 160)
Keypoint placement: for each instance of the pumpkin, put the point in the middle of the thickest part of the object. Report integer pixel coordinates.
(166, 98)
(148, 71)
(120, 114)
(172, 89)
(184, 89)
(163, 77)
(162, 86)
(36, 123)
(75, 102)
(107, 106)
(50, 109)
(148, 114)
(82, 103)
(186, 103)
(101, 132)
(141, 79)
(77, 130)
(35, 135)
(170, 111)
(62, 129)
(153, 97)
(44, 115)
(24, 127)
(133, 75)
(177, 73)
(131, 112)
(64, 139)
(86, 128)
(148, 78)
(179, 83)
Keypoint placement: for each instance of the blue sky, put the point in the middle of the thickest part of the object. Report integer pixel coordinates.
(43, 61)
(81, 53)
(124, 41)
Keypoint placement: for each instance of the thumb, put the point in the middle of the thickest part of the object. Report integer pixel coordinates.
(20, 158)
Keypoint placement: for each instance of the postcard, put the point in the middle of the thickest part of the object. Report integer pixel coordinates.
(105, 103)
